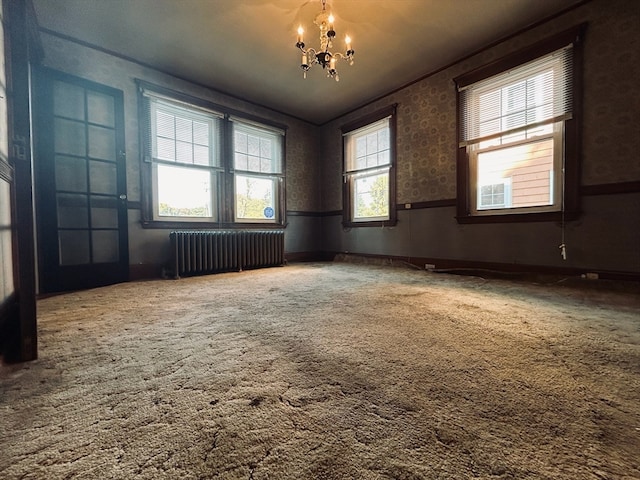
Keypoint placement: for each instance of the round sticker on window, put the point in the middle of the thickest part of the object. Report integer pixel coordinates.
(268, 212)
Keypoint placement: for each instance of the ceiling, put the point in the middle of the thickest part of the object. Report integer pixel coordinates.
(247, 47)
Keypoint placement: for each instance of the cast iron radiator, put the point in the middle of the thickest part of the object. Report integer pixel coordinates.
(203, 252)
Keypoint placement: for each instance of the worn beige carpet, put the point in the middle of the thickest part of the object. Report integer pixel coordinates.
(329, 371)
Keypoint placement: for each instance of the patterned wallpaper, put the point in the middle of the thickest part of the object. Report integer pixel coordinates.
(303, 188)
(426, 143)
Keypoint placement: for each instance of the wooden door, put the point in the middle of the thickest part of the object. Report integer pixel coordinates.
(80, 184)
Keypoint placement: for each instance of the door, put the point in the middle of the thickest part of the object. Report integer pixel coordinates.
(80, 183)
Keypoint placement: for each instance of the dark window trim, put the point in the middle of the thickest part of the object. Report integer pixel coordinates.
(572, 132)
(200, 102)
(225, 197)
(389, 111)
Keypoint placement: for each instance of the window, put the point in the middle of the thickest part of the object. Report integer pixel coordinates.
(185, 162)
(258, 172)
(194, 176)
(518, 137)
(369, 170)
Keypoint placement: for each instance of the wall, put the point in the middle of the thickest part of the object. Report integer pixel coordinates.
(149, 248)
(605, 238)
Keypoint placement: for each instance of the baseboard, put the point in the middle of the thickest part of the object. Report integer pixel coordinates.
(508, 269)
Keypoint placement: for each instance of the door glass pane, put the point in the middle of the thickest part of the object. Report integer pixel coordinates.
(68, 101)
(100, 109)
(103, 177)
(74, 247)
(105, 246)
(104, 212)
(102, 143)
(70, 137)
(73, 211)
(71, 174)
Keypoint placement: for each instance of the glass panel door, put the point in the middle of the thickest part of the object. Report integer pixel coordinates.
(81, 184)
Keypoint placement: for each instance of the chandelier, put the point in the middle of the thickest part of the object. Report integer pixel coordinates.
(323, 56)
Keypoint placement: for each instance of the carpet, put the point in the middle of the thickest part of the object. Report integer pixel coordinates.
(329, 371)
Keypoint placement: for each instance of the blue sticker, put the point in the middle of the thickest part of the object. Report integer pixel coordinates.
(268, 212)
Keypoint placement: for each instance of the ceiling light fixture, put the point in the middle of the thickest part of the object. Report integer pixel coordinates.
(323, 56)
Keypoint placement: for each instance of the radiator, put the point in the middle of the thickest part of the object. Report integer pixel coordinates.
(203, 252)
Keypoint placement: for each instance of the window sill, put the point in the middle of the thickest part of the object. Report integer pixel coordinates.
(166, 225)
(373, 223)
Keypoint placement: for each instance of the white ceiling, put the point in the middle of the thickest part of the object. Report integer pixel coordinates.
(247, 47)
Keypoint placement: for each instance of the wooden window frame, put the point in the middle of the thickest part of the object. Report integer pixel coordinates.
(347, 184)
(225, 172)
(572, 141)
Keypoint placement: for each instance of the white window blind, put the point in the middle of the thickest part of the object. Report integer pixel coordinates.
(183, 135)
(536, 93)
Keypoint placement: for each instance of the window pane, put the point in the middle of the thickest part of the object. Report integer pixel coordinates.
(518, 176)
(253, 145)
(371, 196)
(266, 148)
(184, 130)
(183, 135)
(241, 142)
(254, 164)
(369, 148)
(166, 149)
(262, 147)
(361, 147)
(255, 198)
(184, 192)
(372, 143)
(200, 155)
(200, 133)
(184, 152)
(241, 162)
(165, 124)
